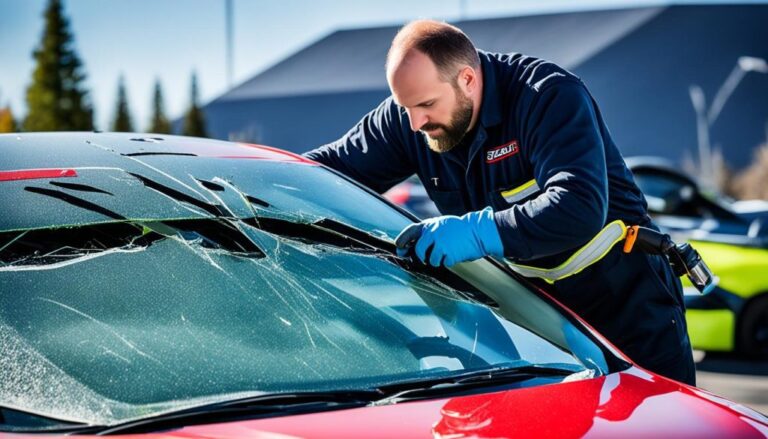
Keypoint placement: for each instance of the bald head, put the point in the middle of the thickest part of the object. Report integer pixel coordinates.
(434, 73)
(445, 45)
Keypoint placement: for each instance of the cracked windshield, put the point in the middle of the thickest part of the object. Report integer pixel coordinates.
(135, 293)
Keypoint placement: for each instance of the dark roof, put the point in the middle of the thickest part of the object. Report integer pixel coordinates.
(352, 60)
(638, 64)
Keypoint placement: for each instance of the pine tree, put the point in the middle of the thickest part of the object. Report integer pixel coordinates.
(122, 120)
(7, 122)
(57, 98)
(194, 122)
(159, 123)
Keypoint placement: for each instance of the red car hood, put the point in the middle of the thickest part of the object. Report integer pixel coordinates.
(632, 403)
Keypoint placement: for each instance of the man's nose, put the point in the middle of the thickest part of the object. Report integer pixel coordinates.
(418, 120)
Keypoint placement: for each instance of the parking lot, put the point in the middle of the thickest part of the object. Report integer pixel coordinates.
(740, 380)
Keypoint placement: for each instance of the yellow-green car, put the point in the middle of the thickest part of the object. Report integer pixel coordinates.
(733, 240)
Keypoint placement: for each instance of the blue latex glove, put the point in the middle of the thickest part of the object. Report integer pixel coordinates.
(456, 239)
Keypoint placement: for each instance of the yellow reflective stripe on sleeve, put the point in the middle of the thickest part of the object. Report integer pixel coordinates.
(523, 191)
(587, 255)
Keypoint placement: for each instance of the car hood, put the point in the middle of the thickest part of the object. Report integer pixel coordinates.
(632, 403)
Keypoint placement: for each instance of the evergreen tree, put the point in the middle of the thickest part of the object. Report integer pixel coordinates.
(122, 120)
(194, 122)
(7, 122)
(159, 123)
(57, 98)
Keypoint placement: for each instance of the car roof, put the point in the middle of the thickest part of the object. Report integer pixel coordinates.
(657, 165)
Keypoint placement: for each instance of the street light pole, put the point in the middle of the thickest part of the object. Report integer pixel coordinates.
(702, 134)
(705, 119)
(744, 65)
(230, 42)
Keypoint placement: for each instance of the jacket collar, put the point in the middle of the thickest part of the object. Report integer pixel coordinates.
(490, 109)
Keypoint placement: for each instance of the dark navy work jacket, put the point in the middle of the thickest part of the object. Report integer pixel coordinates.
(537, 122)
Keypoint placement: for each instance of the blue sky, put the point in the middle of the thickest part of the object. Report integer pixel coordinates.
(168, 39)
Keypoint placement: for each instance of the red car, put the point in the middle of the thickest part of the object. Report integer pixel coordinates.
(162, 286)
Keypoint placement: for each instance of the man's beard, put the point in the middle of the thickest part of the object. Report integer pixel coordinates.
(453, 133)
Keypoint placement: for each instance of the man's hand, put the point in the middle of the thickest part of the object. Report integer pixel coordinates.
(454, 239)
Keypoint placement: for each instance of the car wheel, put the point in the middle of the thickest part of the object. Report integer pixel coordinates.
(753, 328)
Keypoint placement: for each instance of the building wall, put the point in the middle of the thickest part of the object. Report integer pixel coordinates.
(641, 82)
(294, 123)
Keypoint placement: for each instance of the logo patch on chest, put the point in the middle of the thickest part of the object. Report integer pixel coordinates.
(501, 152)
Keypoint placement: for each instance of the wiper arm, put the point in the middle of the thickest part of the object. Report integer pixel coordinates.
(443, 386)
(249, 408)
(535, 370)
(288, 399)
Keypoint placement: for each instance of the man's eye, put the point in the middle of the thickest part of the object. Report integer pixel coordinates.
(428, 104)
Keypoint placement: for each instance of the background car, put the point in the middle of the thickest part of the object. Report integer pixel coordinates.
(733, 240)
(184, 287)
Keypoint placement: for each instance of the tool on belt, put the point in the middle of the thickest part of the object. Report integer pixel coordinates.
(683, 258)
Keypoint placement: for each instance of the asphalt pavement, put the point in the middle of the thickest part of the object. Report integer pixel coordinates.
(741, 380)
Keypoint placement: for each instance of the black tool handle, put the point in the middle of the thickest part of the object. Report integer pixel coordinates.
(651, 241)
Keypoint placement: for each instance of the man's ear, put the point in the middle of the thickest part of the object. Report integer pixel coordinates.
(467, 79)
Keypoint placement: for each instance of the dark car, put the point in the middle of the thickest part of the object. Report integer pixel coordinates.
(181, 287)
(680, 206)
(733, 239)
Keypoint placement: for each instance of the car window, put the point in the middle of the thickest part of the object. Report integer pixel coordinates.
(107, 322)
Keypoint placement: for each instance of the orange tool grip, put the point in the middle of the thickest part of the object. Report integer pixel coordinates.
(629, 241)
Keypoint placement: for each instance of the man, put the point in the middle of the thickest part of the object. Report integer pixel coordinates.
(518, 147)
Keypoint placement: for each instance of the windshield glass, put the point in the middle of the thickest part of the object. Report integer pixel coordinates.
(207, 187)
(105, 323)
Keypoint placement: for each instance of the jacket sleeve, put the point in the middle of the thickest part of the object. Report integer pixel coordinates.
(565, 148)
(373, 152)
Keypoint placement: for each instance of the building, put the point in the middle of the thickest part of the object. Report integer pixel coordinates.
(639, 64)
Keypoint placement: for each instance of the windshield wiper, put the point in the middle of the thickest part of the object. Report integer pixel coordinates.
(18, 421)
(281, 404)
(269, 405)
(249, 408)
(497, 376)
